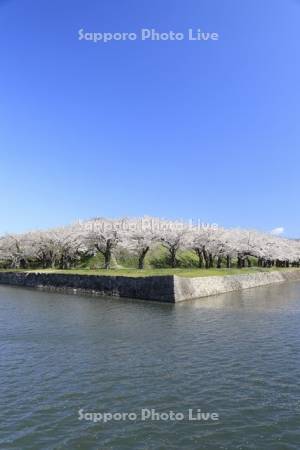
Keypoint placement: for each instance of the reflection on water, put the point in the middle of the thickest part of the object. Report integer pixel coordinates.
(236, 354)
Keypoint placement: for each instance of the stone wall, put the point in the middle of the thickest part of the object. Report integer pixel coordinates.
(192, 288)
(147, 288)
(169, 289)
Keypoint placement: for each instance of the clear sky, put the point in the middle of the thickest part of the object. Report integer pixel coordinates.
(178, 129)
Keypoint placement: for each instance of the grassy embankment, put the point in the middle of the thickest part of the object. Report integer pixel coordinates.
(152, 272)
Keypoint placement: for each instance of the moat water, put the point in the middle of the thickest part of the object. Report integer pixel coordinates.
(236, 355)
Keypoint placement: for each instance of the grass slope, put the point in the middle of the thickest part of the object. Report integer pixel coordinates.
(190, 273)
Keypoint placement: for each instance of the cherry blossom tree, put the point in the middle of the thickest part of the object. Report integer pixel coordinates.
(139, 242)
(172, 240)
(103, 236)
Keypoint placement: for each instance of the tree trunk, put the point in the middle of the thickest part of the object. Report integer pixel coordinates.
(200, 257)
(173, 260)
(206, 259)
(107, 254)
(22, 263)
(107, 259)
(228, 262)
(219, 262)
(142, 257)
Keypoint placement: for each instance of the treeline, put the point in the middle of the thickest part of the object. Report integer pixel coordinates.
(134, 239)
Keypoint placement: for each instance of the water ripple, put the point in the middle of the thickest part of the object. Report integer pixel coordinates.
(237, 354)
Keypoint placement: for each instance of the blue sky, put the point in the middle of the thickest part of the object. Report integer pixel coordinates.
(177, 129)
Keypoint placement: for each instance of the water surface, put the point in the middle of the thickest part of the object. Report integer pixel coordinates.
(235, 354)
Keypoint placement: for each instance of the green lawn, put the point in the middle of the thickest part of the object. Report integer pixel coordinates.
(151, 272)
